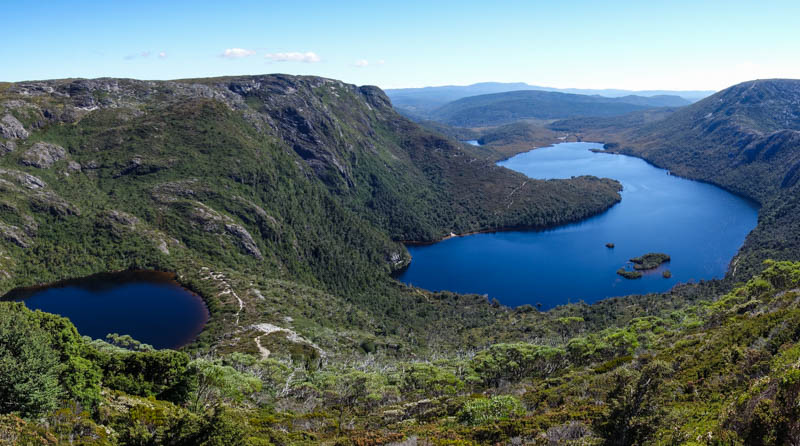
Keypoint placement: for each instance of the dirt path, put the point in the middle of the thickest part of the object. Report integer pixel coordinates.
(291, 335)
(511, 201)
(261, 349)
(219, 278)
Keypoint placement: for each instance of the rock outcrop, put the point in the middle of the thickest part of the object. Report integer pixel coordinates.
(11, 128)
(122, 218)
(14, 235)
(43, 155)
(7, 147)
(25, 180)
(212, 221)
(244, 239)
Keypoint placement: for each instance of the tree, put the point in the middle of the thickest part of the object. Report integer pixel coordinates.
(355, 389)
(633, 404)
(512, 362)
(272, 373)
(29, 366)
(80, 375)
(164, 374)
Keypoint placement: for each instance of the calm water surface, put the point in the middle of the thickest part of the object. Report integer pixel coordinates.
(699, 225)
(149, 306)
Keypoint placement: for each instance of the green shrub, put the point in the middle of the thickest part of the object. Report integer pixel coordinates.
(512, 362)
(487, 410)
(430, 380)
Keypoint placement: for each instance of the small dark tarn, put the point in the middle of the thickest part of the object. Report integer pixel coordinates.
(150, 306)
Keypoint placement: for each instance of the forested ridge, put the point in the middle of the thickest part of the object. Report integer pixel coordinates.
(281, 200)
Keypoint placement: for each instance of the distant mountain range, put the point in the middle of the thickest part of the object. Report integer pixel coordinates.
(420, 101)
(507, 107)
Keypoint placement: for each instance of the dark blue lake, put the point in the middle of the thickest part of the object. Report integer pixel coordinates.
(147, 305)
(699, 225)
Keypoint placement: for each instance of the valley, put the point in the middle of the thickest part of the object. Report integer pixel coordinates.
(283, 202)
(399, 223)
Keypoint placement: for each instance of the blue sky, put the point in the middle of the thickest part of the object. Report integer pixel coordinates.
(581, 44)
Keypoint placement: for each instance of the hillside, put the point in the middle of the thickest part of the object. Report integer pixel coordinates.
(746, 131)
(501, 108)
(613, 127)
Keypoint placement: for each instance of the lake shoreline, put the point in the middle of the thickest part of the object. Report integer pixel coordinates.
(538, 266)
(508, 229)
(613, 151)
(168, 276)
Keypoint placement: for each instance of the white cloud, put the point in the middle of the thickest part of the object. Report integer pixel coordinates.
(361, 63)
(307, 57)
(237, 53)
(143, 54)
(162, 55)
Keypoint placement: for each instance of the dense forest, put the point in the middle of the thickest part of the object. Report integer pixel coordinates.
(283, 200)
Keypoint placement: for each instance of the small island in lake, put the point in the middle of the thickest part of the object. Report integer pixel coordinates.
(649, 261)
(609, 245)
(629, 274)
